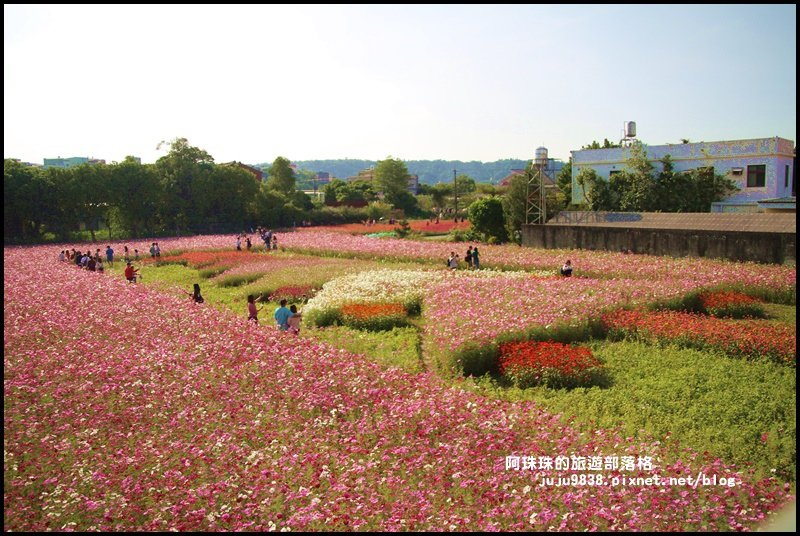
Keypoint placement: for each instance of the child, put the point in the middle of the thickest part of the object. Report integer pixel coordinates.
(252, 310)
(294, 320)
(566, 270)
(195, 294)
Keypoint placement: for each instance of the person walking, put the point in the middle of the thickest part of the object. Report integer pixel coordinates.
(476, 260)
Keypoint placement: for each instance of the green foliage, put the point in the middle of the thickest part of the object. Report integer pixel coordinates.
(487, 217)
(177, 171)
(690, 191)
(377, 210)
(391, 177)
(597, 192)
(635, 185)
(398, 347)
(635, 189)
(281, 176)
(403, 230)
(340, 192)
(237, 280)
(377, 323)
(606, 145)
(703, 400)
(564, 182)
(464, 184)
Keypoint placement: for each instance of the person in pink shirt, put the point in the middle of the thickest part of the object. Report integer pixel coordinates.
(252, 310)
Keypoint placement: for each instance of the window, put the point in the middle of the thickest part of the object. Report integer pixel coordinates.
(786, 180)
(757, 176)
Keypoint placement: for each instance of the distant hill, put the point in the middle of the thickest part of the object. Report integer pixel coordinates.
(429, 171)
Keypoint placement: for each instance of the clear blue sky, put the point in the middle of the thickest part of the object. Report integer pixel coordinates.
(473, 82)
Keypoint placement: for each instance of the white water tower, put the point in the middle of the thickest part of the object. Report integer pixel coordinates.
(628, 133)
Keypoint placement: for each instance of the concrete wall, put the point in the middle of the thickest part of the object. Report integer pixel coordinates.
(778, 248)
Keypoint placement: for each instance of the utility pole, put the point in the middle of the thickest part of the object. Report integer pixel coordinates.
(455, 194)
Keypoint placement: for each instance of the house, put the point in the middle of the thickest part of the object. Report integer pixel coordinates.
(257, 173)
(762, 168)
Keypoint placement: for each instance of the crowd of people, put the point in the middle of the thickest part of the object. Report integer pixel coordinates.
(89, 261)
(269, 238)
(286, 319)
(472, 258)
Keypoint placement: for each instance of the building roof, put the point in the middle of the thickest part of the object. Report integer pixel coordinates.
(704, 221)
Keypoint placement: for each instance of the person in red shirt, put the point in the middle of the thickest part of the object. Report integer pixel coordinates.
(130, 273)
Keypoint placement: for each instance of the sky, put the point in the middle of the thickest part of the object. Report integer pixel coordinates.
(414, 82)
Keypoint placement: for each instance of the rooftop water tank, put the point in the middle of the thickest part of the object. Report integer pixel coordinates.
(630, 129)
(541, 156)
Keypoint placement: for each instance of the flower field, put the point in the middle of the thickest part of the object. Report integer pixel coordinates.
(420, 226)
(145, 411)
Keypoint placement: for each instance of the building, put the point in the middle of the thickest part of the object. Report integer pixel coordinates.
(762, 168)
(257, 173)
(70, 162)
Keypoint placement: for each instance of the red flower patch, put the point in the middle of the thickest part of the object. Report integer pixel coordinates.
(374, 316)
(731, 304)
(296, 293)
(553, 364)
(747, 339)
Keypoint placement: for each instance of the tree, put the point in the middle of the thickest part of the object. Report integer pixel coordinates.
(564, 182)
(178, 170)
(391, 177)
(465, 184)
(597, 192)
(606, 145)
(635, 183)
(486, 216)
(93, 196)
(515, 204)
(28, 198)
(439, 193)
(136, 193)
(281, 176)
(222, 199)
(340, 192)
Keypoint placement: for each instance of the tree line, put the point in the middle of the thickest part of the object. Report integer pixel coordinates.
(184, 192)
(428, 171)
